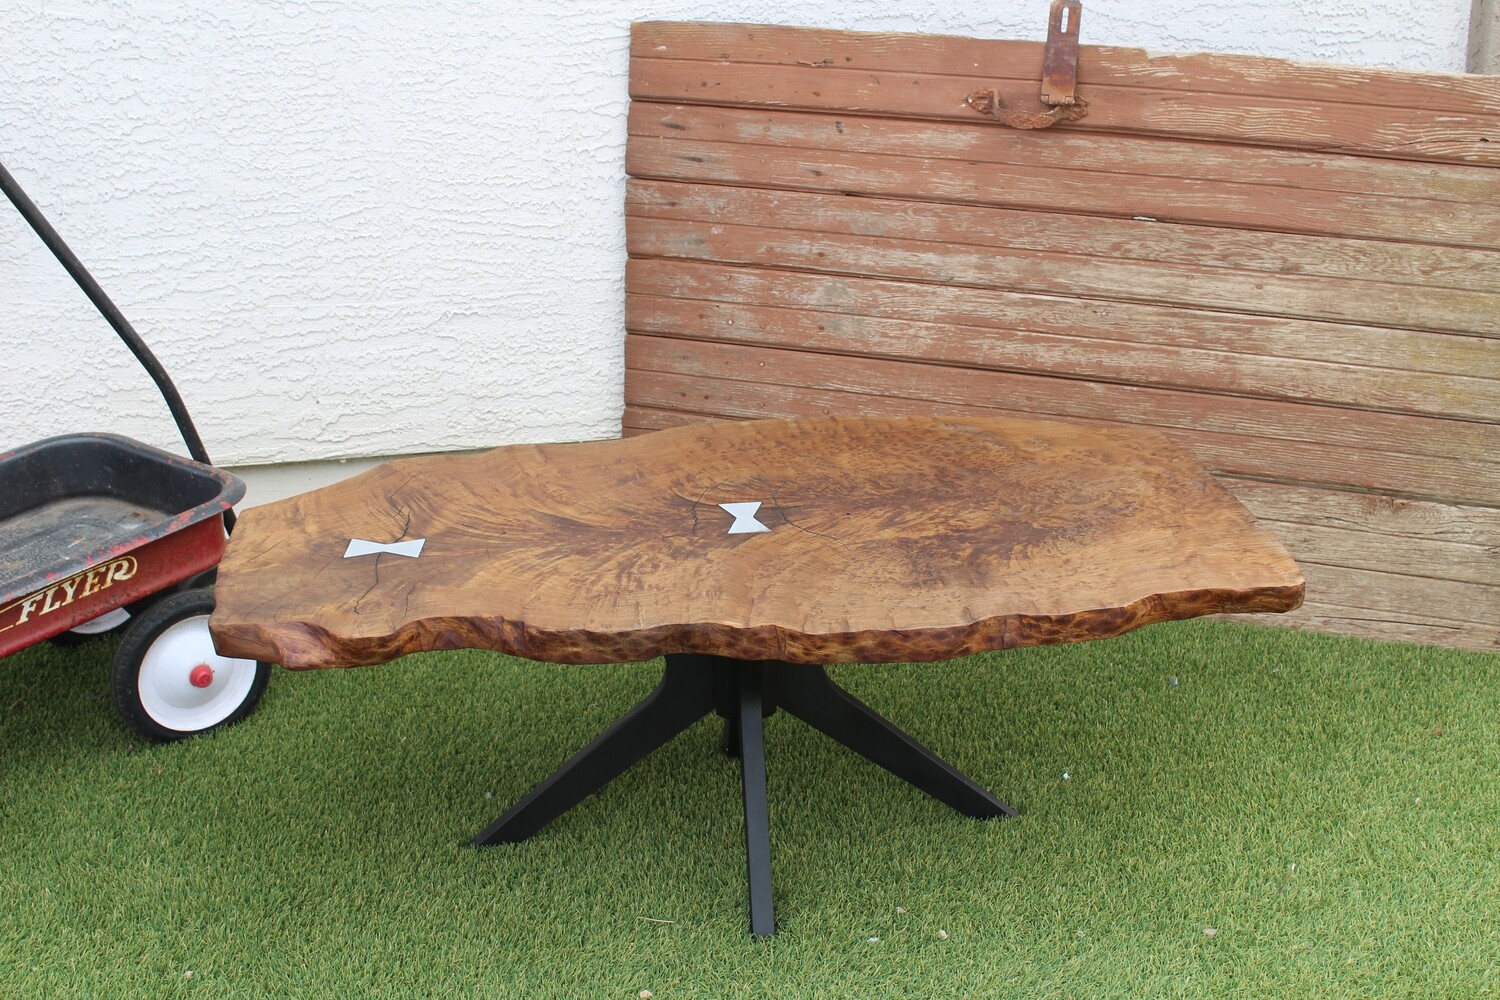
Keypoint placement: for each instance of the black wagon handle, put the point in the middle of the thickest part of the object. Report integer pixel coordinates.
(111, 312)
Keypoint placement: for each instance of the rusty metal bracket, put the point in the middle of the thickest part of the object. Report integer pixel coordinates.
(1060, 59)
(1059, 76)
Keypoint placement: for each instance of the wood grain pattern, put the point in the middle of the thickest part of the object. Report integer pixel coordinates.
(1415, 521)
(779, 45)
(907, 539)
(1280, 117)
(1126, 154)
(1402, 625)
(1049, 272)
(1345, 595)
(1227, 453)
(1204, 244)
(1001, 312)
(1424, 457)
(1243, 201)
(1106, 358)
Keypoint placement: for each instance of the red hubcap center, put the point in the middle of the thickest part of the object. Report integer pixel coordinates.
(202, 676)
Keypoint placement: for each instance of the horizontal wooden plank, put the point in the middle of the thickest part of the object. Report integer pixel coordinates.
(1382, 627)
(1076, 357)
(1223, 203)
(1021, 60)
(1465, 526)
(1476, 445)
(1250, 439)
(1386, 594)
(1297, 296)
(1370, 550)
(1171, 160)
(1380, 533)
(1202, 246)
(1414, 134)
(1004, 311)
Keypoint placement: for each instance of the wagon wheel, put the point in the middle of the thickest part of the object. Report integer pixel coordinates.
(168, 681)
(117, 621)
(110, 623)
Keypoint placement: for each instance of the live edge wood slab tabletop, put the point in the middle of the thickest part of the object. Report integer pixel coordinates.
(876, 540)
(749, 555)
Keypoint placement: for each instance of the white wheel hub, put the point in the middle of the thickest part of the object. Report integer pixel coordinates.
(185, 685)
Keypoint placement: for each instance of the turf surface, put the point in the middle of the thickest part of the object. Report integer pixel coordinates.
(1208, 810)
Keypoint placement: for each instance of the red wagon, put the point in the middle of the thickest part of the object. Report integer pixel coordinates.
(99, 533)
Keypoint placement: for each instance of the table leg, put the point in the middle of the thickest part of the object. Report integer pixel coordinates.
(685, 695)
(743, 692)
(752, 748)
(812, 696)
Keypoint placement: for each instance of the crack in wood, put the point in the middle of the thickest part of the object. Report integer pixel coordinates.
(405, 528)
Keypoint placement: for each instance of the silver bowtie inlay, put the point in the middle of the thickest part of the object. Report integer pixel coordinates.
(744, 517)
(360, 547)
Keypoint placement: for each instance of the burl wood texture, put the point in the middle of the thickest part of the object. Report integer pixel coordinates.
(890, 539)
(1291, 270)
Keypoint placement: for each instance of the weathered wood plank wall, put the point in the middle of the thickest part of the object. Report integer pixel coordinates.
(1294, 270)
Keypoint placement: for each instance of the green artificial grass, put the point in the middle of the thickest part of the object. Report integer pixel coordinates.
(1208, 810)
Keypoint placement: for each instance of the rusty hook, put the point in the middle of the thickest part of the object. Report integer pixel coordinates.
(1059, 76)
(987, 102)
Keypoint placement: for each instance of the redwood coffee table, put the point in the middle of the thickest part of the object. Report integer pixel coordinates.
(750, 555)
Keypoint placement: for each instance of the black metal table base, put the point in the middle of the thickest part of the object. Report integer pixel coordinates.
(743, 693)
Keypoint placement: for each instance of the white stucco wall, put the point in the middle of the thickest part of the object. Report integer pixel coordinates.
(355, 229)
